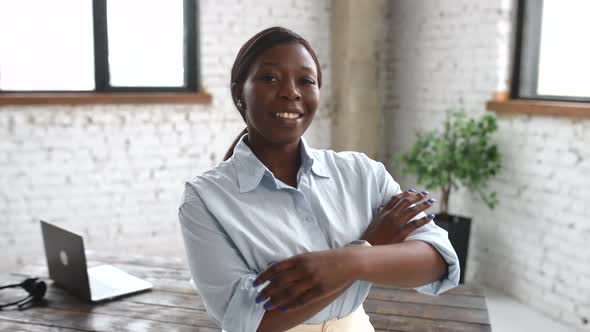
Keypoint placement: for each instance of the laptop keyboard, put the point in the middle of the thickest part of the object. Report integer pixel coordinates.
(98, 288)
(108, 281)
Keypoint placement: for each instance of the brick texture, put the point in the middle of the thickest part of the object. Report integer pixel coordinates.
(455, 54)
(115, 173)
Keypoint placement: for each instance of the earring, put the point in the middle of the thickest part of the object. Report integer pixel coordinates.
(240, 105)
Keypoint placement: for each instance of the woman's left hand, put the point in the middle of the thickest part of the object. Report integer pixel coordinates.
(302, 279)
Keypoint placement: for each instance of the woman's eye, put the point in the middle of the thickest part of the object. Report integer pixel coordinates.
(269, 78)
(307, 81)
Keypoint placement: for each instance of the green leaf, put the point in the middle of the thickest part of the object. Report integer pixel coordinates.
(462, 155)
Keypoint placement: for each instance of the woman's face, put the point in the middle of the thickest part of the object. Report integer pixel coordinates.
(281, 94)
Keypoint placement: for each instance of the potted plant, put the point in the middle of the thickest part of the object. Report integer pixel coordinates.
(462, 155)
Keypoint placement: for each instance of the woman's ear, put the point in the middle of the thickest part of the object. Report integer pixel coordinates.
(236, 89)
(238, 92)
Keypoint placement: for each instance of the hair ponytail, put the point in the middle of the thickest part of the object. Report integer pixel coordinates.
(230, 151)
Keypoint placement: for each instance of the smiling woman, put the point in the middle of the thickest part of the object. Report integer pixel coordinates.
(332, 223)
(279, 97)
(261, 71)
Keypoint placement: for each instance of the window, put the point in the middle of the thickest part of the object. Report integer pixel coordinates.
(98, 46)
(552, 51)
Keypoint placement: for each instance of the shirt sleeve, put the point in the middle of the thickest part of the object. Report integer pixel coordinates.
(429, 233)
(219, 273)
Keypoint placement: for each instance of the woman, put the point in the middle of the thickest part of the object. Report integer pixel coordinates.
(333, 223)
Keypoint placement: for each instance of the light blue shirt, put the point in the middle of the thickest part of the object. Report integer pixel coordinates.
(236, 218)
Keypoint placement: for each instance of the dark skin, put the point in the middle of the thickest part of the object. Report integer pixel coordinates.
(283, 79)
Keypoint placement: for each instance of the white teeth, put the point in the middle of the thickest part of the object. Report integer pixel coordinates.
(287, 115)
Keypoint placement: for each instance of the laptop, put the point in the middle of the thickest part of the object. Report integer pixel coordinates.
(66, 262)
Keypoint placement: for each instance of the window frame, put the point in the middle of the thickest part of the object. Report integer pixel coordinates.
(528, 26)
(103, 93)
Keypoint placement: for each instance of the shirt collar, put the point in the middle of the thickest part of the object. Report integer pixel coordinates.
(311, 158)
(250, 170)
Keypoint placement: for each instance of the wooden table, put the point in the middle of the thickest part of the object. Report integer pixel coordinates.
(173, 305)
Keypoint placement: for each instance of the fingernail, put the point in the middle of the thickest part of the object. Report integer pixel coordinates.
(255, 283)
(258, 299)
(267, 305)
(425, 193)
(430, 216)
(411, 190)
(283, 309)
(431, 200)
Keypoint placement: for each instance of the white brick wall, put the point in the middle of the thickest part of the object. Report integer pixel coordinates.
(115, 173)
(455, 53)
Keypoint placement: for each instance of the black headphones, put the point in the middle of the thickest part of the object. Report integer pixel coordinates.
(36, 289)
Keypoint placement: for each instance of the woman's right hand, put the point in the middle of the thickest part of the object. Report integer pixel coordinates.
(391, 223)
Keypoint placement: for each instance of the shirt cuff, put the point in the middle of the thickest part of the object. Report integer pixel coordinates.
(243, 314)
(440, 242)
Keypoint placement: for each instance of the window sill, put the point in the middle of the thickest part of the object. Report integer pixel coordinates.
(540, 107)
(82, 98)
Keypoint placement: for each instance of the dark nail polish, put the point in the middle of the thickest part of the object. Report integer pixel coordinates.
(430, 216)
(255, 283)
(267, 305)
(431, 200)
(411, 190)
(258, 299)
(425, 193)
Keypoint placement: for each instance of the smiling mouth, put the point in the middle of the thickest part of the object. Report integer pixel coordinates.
(288, 115)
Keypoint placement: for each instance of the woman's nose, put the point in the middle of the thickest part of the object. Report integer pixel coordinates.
(289, 90)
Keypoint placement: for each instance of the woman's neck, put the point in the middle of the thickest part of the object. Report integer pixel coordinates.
(282, 160)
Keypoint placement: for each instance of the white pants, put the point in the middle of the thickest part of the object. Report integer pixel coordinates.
(357, 321)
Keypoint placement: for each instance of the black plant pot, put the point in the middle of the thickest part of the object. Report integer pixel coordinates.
(458, 228)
